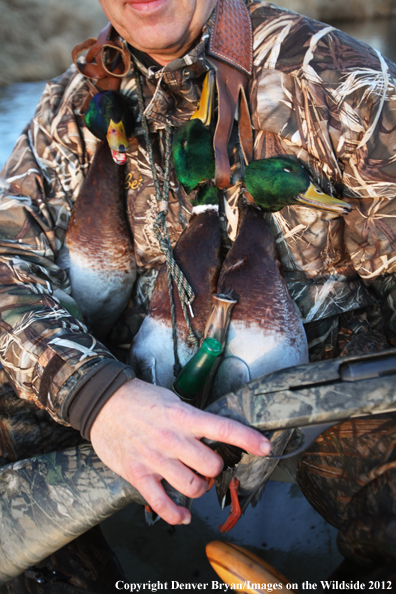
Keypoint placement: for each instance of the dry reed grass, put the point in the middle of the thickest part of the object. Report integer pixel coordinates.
(37, 36)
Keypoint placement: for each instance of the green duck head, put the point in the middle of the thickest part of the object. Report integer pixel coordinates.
(110, 117)
(281, 181)
(192, 146)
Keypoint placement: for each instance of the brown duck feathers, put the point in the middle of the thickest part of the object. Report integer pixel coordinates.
(102, 263)
(198, 254)
(266, 332)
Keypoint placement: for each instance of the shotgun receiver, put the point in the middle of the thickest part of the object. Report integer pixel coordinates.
(47, 501)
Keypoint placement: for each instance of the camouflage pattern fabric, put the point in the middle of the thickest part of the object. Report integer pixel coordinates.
(47, 501)
(349, 477)
(26, 430)
(87, 565)
(348, 473)
(315, 93)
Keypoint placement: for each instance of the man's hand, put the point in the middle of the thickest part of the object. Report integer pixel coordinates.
(145, 433)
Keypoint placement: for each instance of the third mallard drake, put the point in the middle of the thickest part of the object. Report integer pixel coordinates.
(265, 334)
(282, 181)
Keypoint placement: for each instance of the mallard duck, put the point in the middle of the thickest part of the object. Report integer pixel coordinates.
(192, 147)
(111, 117)
(98, 247)
(282, 181)
(198, 254)
(102, 264)
(265, 334)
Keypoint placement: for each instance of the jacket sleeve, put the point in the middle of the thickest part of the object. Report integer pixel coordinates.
(45, 347)
(370, 180)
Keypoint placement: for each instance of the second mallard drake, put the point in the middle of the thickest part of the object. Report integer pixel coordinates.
(197, 253)
(192, 148)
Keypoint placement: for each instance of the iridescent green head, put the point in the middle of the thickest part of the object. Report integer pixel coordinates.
(193, 154)
(110, 117)
(282, 181)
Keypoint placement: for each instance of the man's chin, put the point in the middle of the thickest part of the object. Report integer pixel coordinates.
(161, 42)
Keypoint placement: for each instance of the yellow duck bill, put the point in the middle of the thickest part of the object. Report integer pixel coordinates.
(205, 107)
(118, 142)
(314, 198)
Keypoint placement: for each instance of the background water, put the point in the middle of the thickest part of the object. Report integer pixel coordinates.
(17, 106)
(283, 529)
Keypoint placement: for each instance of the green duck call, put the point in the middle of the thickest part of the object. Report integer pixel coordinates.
(192, 378)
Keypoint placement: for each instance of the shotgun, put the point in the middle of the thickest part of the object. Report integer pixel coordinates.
(47, 501)
(311, 398)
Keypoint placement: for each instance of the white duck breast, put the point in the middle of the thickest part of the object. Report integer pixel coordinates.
(102, 264)
(198, 254)
(266, 332)
(101, 295)
(152, 356)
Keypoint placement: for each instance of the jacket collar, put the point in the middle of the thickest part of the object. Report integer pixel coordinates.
(172, 92)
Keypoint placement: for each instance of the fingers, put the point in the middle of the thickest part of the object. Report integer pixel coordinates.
(173, 470)
(183, 479)
(145, 434)
(229, 431)
(190, 452)
(149, 486)
(203, 460)
(178, 476)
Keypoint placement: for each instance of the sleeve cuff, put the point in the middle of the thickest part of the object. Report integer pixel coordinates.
(94, 393)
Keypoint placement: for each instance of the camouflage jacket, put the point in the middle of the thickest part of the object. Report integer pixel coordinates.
(315, 93)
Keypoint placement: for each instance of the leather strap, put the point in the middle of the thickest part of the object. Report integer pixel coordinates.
(232, 37)
(107, 61)
(231, 55)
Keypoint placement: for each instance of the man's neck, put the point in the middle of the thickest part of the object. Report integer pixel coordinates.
(147, 60)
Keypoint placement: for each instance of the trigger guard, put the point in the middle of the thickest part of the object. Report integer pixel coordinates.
(309, 434)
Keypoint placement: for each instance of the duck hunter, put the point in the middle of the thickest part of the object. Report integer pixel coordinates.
(77, 276)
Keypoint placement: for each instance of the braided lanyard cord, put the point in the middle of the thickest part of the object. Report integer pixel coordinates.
(186, 294)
